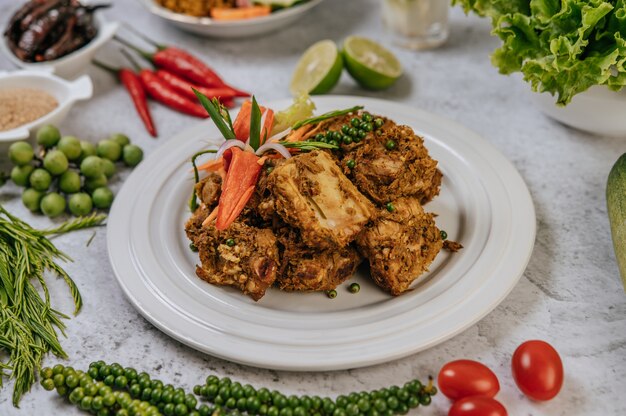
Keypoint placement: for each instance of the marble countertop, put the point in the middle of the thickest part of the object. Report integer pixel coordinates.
(570, 294)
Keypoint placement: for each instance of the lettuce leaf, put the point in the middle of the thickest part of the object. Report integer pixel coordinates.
(560, 46)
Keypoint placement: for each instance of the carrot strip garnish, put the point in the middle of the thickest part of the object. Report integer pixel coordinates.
(210, 218)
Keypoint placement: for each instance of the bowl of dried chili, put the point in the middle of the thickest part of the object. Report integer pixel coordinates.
(32, 41)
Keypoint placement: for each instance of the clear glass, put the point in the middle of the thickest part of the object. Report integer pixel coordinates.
(417, 24)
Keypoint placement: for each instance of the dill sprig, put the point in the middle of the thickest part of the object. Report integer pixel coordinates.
(28, 323)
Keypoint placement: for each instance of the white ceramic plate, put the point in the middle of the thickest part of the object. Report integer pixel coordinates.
(484, 204)
(206, 26)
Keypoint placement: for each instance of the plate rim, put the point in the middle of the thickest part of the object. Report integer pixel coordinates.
(372, 358)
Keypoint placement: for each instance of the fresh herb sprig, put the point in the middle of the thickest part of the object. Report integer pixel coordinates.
(308, 146)
(326, 116)
(219, 115)
(28, 323)
(193, 201)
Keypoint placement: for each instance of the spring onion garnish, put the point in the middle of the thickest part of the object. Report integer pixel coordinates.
(217, 112)
(193, 202)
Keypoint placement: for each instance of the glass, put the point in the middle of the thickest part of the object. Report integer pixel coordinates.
(417, 24)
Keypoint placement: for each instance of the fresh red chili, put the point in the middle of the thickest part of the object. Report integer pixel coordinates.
(185, 87)
(135, 89)
(184, 65)
(163, 93)
(160, 91)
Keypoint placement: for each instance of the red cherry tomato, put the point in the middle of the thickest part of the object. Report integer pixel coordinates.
(477, 406)
(463, 378)
(537, 370)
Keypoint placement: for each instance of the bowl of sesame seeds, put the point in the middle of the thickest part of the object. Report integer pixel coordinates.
(31, 99)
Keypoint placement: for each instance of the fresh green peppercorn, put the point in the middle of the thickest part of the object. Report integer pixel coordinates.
(390, 145)
(361, 134)
(355, 122)
(76, 395)
(345, 129)
(85, 403)
(366, 127)
(48, 384)
(230, 242)
(367, 117)
(364, 405)
(378, 123)
(71, 381)
(320, 136)
(31, 199)
(48, 136)
(40, 179)
(402, 409)
(352, 409)
(168, 409)
(444, 235)
(212, 379)
(146, 394)
(390, 207)
(331, 294)
(425, 399)
(333, 143)
(190, 401)
(354, 288)
(70, 145)
(120, 138)
(413, 402)
(135, 390)
(193, 248)
(21, 153)
(20, 175)
(53, 205)
(231, 403)
(55, 162)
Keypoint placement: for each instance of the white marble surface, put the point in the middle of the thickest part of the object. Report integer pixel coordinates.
(570, 295)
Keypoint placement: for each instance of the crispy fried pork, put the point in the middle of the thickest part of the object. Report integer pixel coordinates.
(314, 196)
(242, 256)
(400, 245)
(313, 218)
(385, 175)
(307, 269)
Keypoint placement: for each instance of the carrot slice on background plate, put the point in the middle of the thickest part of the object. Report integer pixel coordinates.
(221, 13)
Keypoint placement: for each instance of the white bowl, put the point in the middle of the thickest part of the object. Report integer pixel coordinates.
(75, 63)
(206, 26)
(597, 110)
(65, 92)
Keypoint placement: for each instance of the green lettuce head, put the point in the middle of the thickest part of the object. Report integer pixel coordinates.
(561, 46)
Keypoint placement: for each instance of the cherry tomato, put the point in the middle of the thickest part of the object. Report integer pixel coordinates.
(463, 378)
(537, 370)
(477, 406)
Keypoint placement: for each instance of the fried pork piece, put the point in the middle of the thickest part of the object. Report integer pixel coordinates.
(313, 195)
(209, 189)
(400, 245)
(250, 265)
(385, 175)
(305, 269)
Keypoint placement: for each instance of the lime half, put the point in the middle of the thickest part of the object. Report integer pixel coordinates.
(319, 69)
(371, 64)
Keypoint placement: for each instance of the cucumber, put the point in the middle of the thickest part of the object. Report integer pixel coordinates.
(616, 206)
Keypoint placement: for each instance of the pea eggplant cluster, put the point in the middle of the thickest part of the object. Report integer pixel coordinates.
(68, 166)
(114, 390)
(44, 30)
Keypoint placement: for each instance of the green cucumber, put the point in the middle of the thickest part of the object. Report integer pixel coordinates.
(616, 206)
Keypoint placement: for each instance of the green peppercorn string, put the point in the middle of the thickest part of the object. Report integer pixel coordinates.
(132, 393)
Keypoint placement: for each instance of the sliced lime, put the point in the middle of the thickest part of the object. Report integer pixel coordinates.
(319, 69)
(370, 64)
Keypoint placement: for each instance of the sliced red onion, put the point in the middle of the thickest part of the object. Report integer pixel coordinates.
(228, 144)
(284, 152)
(279, 135)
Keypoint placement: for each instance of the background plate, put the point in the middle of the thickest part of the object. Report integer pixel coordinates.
(484, 204)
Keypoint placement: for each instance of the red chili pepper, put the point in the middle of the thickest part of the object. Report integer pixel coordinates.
(185, 87)
(135, 89)
(160, 91)
(163, 93)
(184, 65)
